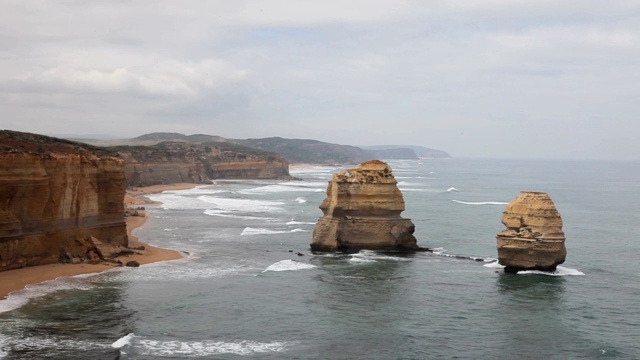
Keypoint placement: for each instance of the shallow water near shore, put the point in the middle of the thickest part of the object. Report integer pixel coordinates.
(244, 292)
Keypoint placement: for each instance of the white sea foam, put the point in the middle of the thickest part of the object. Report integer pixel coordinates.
(301, 200)
(249, 231)
(52, 342)
(293, 186)
(229, 214)
(123, 341)
(493, 265)
(4, 345)
(452, 189)
(369, 256)
(293, 222)
(242, 205)
(560, 271)
(186, 271)
(19, 298)
(289, 265)
(207, 347)
(480, 202)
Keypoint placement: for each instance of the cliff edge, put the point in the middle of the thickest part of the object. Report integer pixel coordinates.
(57, 198)
(178, 162)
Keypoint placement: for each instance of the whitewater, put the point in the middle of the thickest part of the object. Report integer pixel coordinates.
(251, 288)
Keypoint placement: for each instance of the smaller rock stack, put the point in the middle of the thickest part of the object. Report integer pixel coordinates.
(533, 239)
(362, 211)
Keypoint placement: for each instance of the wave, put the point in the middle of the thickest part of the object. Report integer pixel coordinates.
(452, 189)
(123, 341)
(293, 222)
(480, 202)
(18, 298)
(370, 256)
(443, 252)
(34, 343)
(560, 271)
(190, 270)
(294, 186)
(228, 214)
(205, 348)
(248, 231)
(289, 265)
(242, 205)
(301, 200)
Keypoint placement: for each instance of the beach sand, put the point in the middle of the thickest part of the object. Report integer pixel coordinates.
(13, 280)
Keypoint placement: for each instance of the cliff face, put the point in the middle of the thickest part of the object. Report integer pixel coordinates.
(533, 238)
(175, 162)
(53, 195)
(362, 211)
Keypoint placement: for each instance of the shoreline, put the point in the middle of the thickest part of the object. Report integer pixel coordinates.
(18, 279)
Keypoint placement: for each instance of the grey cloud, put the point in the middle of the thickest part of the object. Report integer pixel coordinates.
(517, 78)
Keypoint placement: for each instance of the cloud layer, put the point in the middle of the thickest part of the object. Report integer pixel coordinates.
(475, 77)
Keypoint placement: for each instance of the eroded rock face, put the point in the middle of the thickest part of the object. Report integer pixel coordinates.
(362, 211)
(533, 239)
(54, 194)
(174, 162)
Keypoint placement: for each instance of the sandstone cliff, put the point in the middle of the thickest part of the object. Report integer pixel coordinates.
(533, 238)
(362, 211)
(175, 162)
(54, 196)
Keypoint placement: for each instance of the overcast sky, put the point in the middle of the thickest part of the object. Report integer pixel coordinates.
(491, 78)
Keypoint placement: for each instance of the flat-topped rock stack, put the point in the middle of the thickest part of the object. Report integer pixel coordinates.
(533, 238)
(362, 211)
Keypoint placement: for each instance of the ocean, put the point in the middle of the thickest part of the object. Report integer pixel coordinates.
(251, 288)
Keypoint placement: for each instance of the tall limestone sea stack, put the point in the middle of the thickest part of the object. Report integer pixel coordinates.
(58, 199)
(362, 211)
(533, 239)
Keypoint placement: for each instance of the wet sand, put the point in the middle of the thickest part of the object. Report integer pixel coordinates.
(17, 279)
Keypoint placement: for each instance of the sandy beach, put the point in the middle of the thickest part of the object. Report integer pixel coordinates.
(13, 280)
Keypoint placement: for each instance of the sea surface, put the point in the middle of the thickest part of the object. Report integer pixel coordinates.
(245, 292)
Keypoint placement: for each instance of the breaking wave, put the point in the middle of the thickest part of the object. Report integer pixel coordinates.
(370, 256)
(19, 298)
(452, 189)
(560, 270)
(248, 231)
(289, 265)
(205, 348)
(443, 252)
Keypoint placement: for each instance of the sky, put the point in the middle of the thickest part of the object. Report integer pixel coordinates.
(557, 79)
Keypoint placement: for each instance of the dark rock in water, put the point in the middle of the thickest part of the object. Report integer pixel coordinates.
(362, 211)
(133, 263)
(533, 238)
(299, 254)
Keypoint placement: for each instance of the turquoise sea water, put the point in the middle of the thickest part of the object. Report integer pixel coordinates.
(243, 292)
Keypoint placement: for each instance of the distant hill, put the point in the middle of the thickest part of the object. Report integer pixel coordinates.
(158, 137)
(420, 151)
(294, 150)
(309, 151)
(395, 153)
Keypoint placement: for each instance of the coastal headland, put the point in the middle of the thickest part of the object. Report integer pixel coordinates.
(17, 279)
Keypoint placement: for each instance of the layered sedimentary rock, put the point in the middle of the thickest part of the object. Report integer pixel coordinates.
(175, 162)
(54, 196)
(533, 238)
(362, 211)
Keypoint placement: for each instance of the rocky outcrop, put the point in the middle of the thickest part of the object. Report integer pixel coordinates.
(362, 211)
(533, 238)
(54, 196)
(176, 162)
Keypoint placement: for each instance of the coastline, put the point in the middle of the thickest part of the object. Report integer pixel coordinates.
(18, 279)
